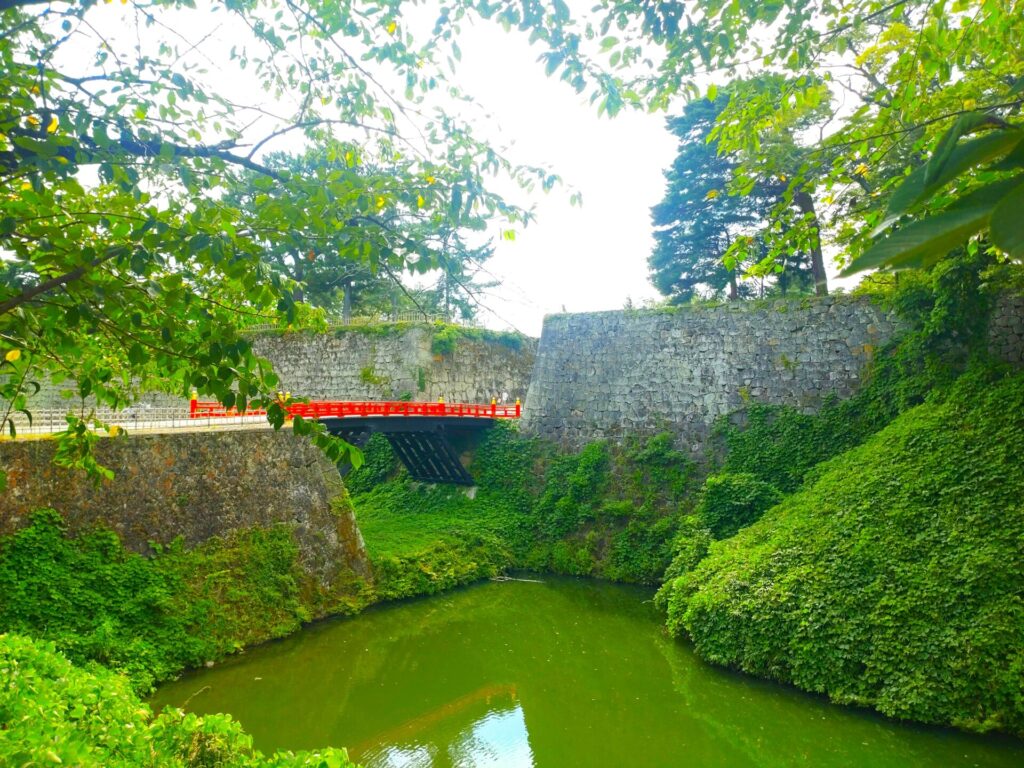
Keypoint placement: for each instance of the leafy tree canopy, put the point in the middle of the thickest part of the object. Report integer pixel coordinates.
(881, 90)
(123, 128)
(706, 239)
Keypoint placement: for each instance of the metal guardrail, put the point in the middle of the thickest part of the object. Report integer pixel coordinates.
(345, 408)
(138, 417)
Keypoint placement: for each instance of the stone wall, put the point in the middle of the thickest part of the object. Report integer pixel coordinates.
(1006, 330)
(608, 374)
(376, 364)
(195, 485)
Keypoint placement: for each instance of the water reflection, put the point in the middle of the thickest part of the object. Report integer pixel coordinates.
(555, 674)
(484, 728)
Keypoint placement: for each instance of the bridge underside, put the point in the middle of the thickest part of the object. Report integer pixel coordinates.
(426, 445)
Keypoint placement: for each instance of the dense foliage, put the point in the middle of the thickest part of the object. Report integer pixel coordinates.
(697, 224)
(873, 91)
(151, 617)
(732, 501)
(143, 215)
(893, 579)
(55, 713)
(603, 511)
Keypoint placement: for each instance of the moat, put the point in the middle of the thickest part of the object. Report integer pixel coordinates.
(552, 672)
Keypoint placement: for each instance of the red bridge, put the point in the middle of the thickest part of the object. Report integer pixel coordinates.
(426, 437)
(317, 409)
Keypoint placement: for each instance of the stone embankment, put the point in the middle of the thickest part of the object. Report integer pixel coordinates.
(611, 374)
(194, 485)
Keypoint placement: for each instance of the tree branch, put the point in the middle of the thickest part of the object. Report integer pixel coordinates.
(56, 282)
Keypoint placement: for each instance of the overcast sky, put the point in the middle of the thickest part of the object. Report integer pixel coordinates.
(581, 258)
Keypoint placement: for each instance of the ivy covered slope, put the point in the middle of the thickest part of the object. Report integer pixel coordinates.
(54, 713)
(893, 578)
(605, 511)
(151, 617)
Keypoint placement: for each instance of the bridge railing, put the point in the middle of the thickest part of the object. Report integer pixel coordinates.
(200, 409)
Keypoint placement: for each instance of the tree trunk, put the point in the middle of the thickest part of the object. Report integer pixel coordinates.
(346, 303)
(805, 204)
(300, 274)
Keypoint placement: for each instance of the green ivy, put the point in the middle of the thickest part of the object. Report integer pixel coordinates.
(606, 511)
(730, 502)
(447, 337)
(893, 578)
(55, 713)
(151, 617)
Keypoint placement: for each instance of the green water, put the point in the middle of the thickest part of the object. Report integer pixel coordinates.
(560, 673)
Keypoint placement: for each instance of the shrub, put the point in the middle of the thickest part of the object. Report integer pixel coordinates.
(55, 713)
(893, 580)
(733, 501)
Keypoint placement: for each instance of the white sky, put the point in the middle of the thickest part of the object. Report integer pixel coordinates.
(581, 258)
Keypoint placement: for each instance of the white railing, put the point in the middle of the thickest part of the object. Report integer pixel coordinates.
(135, 418)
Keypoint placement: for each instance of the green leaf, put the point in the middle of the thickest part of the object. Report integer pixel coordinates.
(935, 236)
(915, 189)
(137, 354)
(943, 149)
(1007, 226)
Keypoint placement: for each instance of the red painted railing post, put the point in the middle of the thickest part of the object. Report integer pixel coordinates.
(494, 406)
(193, 405)
(519, 407)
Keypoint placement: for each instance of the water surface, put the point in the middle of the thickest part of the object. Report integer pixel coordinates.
(554, 674)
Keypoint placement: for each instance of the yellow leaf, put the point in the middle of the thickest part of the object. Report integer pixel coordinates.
(419, 201)
(349, 158)
(711, 195)
(114, 431)
(33, 121)
(26, 185)
(782, 177)
(970, 103)
(431, 179)
(380, 201)
(861, 170)
(325, 100)
(12, 355)
(52, 127)
(392, 27)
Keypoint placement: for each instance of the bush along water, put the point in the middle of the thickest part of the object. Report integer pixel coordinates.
(890, 575)
(150, 617)
(55, 713)
(893, 577)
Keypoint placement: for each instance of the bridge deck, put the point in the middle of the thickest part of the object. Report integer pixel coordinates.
(419, 433)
